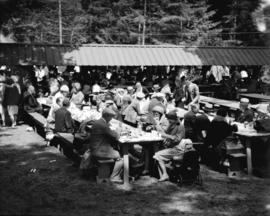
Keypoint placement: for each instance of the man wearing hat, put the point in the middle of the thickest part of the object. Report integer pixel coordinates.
(172, 137)
(157, 100)
(130, 91)
(156, 120)
(156, 88)
(245, 114)
(101, 142)
(190, 122)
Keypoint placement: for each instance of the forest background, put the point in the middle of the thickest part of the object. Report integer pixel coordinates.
(179, 22)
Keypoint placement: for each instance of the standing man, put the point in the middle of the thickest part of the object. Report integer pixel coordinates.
(191, 92)
(102, 140)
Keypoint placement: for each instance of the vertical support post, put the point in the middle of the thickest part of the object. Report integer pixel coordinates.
(249, 159)
(144, 22)
(60, 22)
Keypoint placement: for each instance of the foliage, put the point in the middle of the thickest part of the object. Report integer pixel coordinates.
(186, 22)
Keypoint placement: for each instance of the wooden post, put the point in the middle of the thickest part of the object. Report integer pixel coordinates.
(144, 22)
(60, 22)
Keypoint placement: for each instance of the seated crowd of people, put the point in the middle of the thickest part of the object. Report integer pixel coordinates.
(155, 109)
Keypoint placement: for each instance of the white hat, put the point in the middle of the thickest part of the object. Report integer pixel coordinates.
(244, 100)
(129, 88)
(140, 95)
(180, 112)
(185, 144)
(160, 95)
(158, 109)
(64, 88)
(109, 102)
(120, 90)
(209, 106)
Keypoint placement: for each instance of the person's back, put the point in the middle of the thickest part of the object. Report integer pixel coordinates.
(102, 137)
(190, 127)
(156, 101)
(12, 95)
(218, 129)
(63, 120)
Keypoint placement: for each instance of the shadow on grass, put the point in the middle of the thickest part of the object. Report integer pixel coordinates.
(38, 180)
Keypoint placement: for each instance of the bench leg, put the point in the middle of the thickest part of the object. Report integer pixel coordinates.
(126, 165)
(103, 173)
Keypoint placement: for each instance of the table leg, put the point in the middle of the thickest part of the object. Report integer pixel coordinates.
(126, 165)
(249, 159)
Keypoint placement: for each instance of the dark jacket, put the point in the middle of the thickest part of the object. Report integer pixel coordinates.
(102, 139)
(63, 121)
(30, 102)
(190, 125)
(218, 130)
(12, 95)
(246, 116)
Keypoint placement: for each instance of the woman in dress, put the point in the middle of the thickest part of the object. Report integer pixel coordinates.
(13, 95)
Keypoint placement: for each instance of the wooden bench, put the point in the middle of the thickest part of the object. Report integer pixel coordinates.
(104, 170)
(237, 164)
(37, 122)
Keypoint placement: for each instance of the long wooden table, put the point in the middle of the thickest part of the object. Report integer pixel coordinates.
(249, 135)
(234, 105)
(140, 137)
(260, 97)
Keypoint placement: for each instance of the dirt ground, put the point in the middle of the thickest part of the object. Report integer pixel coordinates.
(38, 180)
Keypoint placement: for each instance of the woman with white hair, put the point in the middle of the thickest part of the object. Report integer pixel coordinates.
(30, 102)
(77, 95)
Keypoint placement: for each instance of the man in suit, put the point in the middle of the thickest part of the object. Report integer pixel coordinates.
(63, 120)
(101, 141)
(190, 122)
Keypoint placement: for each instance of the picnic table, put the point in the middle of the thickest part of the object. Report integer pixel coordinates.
(233, 105)
(249, 133)
(130, 136)
(257, 97)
